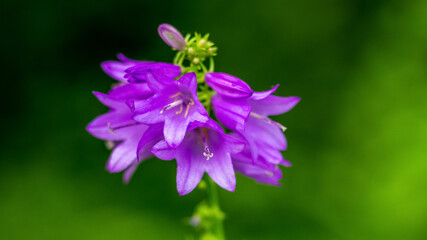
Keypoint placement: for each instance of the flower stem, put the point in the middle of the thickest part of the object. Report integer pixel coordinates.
(217, 228)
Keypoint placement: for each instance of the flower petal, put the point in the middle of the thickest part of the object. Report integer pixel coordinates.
(124, 154)
(267, 134)
(232, 113)
(151, 136)
(128, 92)
(228, 85)
(260, 171)
(273, 105)
(189, 80)
(262, 95)
(129, 172)
(116, 69)
(139, 73)
(190, 168)
(175, 129)
(163, 151)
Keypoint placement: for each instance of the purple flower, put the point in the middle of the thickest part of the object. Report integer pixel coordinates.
(264, 135)
(161, 72)
(206, 148)
(228, 86)
(116, 69)
(172, 37)
(249, 116)
(176, 104)
(262, 170)
(117, 127)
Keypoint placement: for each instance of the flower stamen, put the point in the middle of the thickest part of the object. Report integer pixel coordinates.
(180, 110)
(171, 105)
(188, 107)
(175, 95)
(207, 153)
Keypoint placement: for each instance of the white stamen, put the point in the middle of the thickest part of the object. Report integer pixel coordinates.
(171, 105)
(207, 155)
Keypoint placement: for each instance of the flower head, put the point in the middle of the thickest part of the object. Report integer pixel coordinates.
(163, 109)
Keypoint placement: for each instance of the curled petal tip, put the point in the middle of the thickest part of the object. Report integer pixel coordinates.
(172, 37)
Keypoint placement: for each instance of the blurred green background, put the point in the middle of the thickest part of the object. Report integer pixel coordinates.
(357, 140)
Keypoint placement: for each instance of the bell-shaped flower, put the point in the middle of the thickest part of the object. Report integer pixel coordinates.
(119, 130)
(116, 69)
(228, 85)
(261, 171)
(205, 148)
(176, 104)
(162, 72)
(264, 135)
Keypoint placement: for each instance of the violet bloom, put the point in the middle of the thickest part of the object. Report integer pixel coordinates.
(264, 135)
(176, 104)
(161, 72)
(116, 69)
(261, 170)
(246, 112)
(206, 148)
(117, 127)
(230, 105)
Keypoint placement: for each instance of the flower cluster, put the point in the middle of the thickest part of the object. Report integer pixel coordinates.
(172, 111)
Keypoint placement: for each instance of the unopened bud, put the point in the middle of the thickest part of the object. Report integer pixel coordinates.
(201, 43)
(191, 51)
(172, 37)
(196, 60)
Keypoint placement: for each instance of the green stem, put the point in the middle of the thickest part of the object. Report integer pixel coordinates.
(212, 192)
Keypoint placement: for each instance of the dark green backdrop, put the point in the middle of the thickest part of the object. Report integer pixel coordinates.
(357, 139)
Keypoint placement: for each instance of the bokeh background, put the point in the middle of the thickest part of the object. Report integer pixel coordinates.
(357, 140)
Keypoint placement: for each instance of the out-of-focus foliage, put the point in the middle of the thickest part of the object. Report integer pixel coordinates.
(357, 139)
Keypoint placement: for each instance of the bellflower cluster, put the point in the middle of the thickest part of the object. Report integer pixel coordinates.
(179, 111)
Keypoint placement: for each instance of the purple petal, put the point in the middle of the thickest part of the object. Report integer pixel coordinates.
(116, 69)
(273, 105)
(161, 72)
(129, 172)
(163, 151)
(189, 80)
(228, 86)
(175, 129)
(148, 111)
(269, 135)
(220, 169)
(102, 126)
(261, 171)
(131, 92)
(262, 95)
(120, 115)
(232, 113)
(124, 154)
(172, 37)
(107, 100)
(151, 136)
(190, 169)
